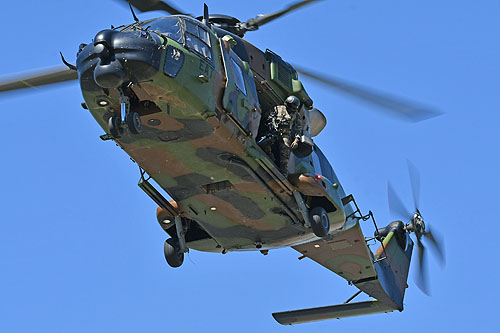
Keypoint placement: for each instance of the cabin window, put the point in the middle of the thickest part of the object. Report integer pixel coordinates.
(197, 39)
(239, 81)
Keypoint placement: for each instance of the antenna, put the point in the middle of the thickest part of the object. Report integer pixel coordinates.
(205, 15)
(70, 66)
(133, 14)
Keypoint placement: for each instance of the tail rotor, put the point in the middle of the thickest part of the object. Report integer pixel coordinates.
(415, 224)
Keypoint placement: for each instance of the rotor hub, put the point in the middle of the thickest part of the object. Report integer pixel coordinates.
(417, 225)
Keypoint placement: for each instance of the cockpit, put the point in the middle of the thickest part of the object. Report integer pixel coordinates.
(184, 30)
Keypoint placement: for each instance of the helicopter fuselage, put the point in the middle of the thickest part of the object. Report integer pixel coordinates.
(201, 94)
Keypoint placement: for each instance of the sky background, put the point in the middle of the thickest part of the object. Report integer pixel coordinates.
(80, 248)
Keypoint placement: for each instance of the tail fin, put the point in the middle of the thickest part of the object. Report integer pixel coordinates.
(382, 275)
(392, 263)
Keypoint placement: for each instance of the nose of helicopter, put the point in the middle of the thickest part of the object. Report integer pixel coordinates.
(118, 57)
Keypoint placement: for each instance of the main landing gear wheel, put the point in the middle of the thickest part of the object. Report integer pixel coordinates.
(173, 253)
(320, 223)
(133, 121)
(115, 126)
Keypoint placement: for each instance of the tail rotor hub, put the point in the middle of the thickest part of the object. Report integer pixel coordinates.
(418, 225)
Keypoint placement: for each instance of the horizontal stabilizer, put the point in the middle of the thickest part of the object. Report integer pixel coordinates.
(331, 312)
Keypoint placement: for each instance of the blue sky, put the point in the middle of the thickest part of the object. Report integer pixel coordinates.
(80, 247)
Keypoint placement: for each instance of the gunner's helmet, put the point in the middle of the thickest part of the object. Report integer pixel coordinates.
(292, 103)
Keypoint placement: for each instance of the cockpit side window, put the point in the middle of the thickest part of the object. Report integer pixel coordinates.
(191, 27)
(204, 36)
(197, 39)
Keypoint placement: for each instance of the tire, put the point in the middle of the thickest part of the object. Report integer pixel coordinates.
(115, 126)
(173, 253)
(133, 121)
(320, 223)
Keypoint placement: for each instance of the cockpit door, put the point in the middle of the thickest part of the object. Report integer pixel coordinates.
(240, 95)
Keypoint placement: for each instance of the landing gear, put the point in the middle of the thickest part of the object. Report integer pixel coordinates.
(173, 253)
(133, 122)
(132, 119)
(320, 223)
(175, 247)
(115, 126)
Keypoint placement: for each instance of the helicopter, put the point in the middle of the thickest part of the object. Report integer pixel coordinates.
(185, 98)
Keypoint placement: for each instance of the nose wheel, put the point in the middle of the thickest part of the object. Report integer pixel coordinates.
(132, 119)
(115, 126)
(133, 122)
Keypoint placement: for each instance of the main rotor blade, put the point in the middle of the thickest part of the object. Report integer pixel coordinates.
(437, 244)
(396, 206)
(36, 79)
(152, 5)
(256, 22)
(393, 106)
(415, 183)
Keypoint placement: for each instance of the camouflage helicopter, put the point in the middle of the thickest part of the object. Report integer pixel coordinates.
(187, 99)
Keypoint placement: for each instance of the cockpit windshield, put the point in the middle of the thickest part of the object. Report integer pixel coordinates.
(184, 30)
(168, 26)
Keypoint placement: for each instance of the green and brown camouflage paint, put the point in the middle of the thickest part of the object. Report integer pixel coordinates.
(194, 129)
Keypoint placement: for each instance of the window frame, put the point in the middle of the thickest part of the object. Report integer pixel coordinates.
(199, 27)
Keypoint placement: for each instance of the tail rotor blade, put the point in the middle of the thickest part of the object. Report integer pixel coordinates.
(415, 183)
(396, 206)
(437, 244)
(422, 271)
